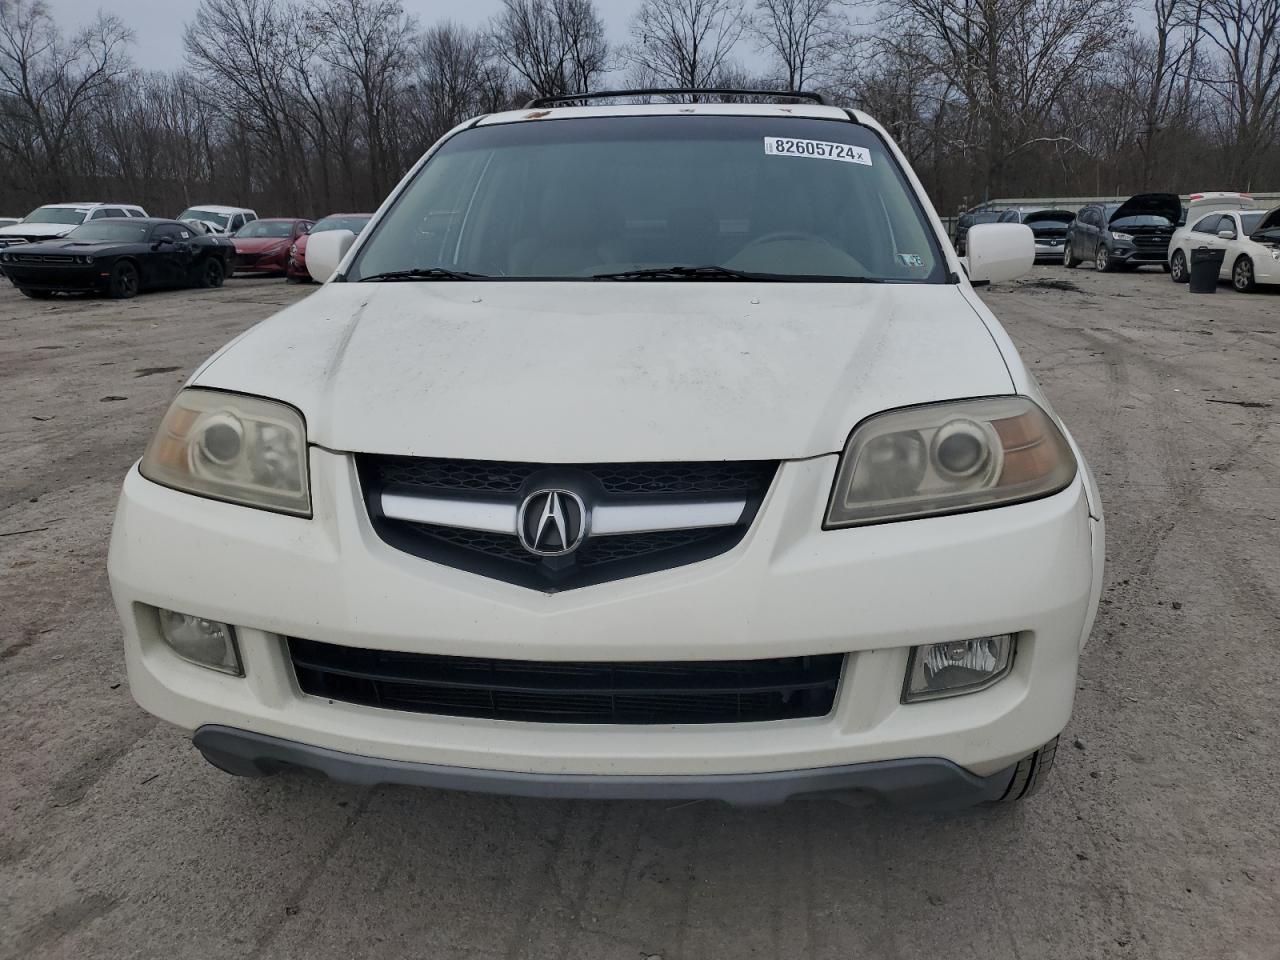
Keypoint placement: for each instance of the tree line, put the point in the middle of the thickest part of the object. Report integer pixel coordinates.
(319, 106)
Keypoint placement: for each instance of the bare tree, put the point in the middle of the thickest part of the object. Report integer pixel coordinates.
(1244, 78)
(685, 43)
(49, 84)
(801, 35)
(555, 46)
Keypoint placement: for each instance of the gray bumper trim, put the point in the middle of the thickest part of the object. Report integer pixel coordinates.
(928, 782)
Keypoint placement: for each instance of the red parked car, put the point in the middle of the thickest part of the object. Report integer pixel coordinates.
(295, 268)
(262, 246)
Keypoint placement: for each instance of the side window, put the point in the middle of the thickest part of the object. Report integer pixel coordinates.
(250, 217)
(167, 231)
(98, 214)
(110, 212)
(1009, 216)
(236, 223)
(1207, 224)
(1226, 223)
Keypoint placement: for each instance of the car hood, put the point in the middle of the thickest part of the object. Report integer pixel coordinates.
(258, 244)
(590, 372)
(81, 248)
(37, 229)
(1270, 223)
(1167, 205)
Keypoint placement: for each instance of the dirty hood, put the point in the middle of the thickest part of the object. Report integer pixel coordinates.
(583, 372)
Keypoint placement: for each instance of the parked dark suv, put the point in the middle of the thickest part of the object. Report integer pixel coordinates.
(967, 220)
(1124, 235)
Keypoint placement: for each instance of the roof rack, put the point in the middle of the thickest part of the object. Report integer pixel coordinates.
(670, 91)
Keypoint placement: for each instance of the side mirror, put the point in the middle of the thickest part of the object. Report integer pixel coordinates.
(1226, 234)
(325, 251)
(997, 251)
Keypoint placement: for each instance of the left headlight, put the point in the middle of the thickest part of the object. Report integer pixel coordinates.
(1128, 237)
(245, 450)
(947, 458)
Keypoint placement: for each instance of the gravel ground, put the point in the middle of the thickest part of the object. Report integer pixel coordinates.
(1158, 835)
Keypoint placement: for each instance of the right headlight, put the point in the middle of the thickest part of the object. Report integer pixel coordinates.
(246, 450)
(948, 458)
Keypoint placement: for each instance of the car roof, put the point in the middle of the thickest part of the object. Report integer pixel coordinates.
(279, 220)
(218, 208)
(140, 221)
(91, 203)
(810, 110)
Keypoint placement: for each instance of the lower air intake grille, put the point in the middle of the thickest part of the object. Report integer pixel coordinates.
(721, 691)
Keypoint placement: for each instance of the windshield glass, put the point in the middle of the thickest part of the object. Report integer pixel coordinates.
(355, 224)
(55, 215)
(571, 199)
(1249, 221)
(111, 230)
(266, 228)
(195, 213)
(1143, 220)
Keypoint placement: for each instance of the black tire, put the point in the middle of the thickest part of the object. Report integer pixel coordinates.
(1242, 275)
(1029, 775)
(1068, 258)
(211, 273)
(1102, 259)
(124, 282)
(1179, 272)
(36, 294)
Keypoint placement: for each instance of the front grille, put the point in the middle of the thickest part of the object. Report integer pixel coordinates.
(715, 691)
(438, 475)
(600, 558)
(42, 258)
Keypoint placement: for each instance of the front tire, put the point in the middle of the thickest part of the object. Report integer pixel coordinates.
(1242, 277)
(1102, 259)
(124, 281)
(212, 273)
(1030, 773)
(36, 294)
(1068, 258)
(1178, 270)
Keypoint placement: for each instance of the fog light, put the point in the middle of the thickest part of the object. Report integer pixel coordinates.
(206, 642)
(957, 667)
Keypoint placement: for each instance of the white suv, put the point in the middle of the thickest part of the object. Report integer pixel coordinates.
(631, 451)
(55, 220)
(217, 219)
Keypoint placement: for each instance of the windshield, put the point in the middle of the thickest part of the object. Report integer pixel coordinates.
(1049, 218)
(266, 228)
(111, 230)
(1249, 222)
(195, 213)
(1143, 220)
(785, 198)
(355, 224)
(55, 215)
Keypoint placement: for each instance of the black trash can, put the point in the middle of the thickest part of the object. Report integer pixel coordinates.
(1205, 265)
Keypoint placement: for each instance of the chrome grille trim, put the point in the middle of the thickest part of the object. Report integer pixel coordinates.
(606, 519)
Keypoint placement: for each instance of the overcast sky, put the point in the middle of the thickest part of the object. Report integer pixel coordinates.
(158, 24)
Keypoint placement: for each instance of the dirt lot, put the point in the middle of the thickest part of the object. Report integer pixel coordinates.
(1157, 837)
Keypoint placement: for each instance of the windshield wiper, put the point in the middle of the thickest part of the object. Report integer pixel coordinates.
(425, 273)
(712, 272)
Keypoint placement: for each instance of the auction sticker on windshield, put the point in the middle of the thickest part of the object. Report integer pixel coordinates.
(818, 149)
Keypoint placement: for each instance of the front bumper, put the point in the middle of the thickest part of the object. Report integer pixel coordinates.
(65, 279)
(789, 588)
(1140, 255)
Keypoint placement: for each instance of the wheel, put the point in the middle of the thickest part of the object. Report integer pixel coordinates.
(1102, 259)
(1068, 258)
(211, 273)
(1029, 775)
(1178, 271)
(36, 294)
(1242, 275)
(124, 281)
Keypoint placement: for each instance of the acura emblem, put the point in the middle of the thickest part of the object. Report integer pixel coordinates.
(552, 523)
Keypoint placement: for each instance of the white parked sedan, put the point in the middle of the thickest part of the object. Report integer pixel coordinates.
(1249, 240)
(631, 451)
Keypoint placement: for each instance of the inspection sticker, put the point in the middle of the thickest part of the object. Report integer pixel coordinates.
(818, 149)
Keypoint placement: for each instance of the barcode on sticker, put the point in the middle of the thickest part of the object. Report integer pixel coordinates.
(818, 149)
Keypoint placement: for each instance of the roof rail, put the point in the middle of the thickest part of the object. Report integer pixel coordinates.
(671, 91)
